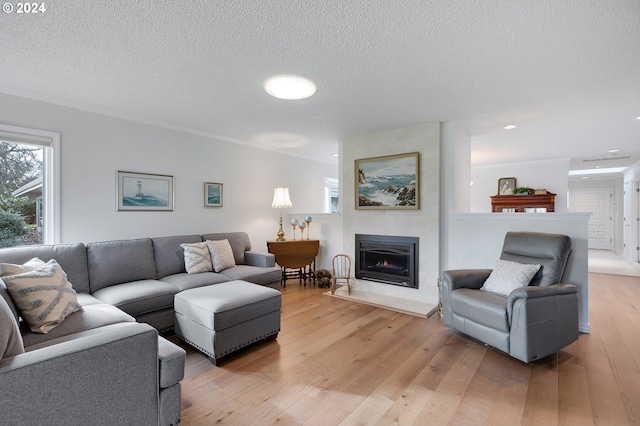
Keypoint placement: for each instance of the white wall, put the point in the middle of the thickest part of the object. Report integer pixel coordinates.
(476, 242)
(94, 146)
(423, 223)
(551, 175)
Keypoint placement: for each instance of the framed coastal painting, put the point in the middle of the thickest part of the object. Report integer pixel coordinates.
(212, 194)
(144, 192)
(390, 182)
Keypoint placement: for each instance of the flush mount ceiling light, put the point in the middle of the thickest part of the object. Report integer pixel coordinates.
(289, 87)
(509, 127)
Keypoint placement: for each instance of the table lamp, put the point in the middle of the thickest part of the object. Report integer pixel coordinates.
(281, 200)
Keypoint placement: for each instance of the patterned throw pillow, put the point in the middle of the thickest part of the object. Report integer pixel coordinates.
(197, 258)
(221, 254)
(508, 276)
(41, 292)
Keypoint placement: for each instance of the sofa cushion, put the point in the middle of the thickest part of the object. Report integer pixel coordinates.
(254, 274)
(72, 258)
(482, 307)
(508, 276)
(185, 281)
(92, 316)
(239, 243)
(221, 255)
(117, 262)
(197, 258)
(139, 297)
(169, 256)
(41, 292)
(10, 338)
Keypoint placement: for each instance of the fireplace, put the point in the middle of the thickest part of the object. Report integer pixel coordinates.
(387, 259)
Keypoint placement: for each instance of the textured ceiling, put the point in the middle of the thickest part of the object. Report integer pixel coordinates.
(566, 72)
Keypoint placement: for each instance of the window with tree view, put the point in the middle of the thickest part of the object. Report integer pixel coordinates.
(29, 200)
(21, 213)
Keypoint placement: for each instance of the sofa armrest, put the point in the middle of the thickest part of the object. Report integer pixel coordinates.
(102, 378)
(264, 260)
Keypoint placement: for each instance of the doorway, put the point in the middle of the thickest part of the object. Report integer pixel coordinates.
(596, 201)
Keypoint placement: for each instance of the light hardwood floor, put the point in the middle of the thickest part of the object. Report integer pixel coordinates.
(338, 362)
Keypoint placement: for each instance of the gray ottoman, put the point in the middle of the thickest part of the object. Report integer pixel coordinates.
(221, 318)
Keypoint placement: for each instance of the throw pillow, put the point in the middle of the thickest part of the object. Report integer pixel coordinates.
(221, 254)
(41, 292)
(197, 258)
(507, 276)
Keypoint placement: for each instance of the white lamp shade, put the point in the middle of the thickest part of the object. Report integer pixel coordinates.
(281, 198)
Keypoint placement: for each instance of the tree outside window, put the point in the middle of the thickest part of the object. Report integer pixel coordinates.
(21, 174)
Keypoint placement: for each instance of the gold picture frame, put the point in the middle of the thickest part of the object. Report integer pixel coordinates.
(390, 182)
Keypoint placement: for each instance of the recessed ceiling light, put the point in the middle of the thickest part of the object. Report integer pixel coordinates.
(289, 87)
(509, 127)
(613, 151)
(638, 117)
(334, 154)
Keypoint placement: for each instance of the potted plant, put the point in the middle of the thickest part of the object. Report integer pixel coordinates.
(522, 190)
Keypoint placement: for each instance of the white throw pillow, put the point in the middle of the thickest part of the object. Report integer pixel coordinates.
(197, 258)
(221, 255)
(508, 276)
(41, 292)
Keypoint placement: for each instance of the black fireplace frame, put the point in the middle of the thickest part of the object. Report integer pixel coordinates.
(391, 245)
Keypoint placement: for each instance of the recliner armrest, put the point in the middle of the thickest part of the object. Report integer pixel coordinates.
(465, 278)
(532, 292)
(459, 278)
(536, 292)
(264, 260)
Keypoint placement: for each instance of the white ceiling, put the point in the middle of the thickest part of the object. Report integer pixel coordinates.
(566, 72)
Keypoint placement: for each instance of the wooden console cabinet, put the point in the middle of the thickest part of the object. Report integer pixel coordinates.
(523, 203)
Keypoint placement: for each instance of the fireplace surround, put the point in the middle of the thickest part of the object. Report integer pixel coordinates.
(387, 259)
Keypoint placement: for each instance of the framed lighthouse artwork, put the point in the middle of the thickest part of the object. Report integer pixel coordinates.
(144, 192)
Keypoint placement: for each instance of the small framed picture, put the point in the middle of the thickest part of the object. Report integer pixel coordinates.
(144, 192)
(212, 194)
(506, 186)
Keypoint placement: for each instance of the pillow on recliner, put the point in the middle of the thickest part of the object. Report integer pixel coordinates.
(508, 276)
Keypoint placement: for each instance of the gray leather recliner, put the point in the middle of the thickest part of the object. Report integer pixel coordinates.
(532, 322)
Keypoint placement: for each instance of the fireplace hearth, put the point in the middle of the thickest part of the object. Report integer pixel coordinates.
(387, 259)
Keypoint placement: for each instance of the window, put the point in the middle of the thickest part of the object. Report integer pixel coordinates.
(331, 196)
(44, 188)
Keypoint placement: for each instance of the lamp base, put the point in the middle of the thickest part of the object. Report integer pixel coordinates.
(281, 232)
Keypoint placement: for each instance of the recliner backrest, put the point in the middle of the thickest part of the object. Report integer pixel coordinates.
(549, 250)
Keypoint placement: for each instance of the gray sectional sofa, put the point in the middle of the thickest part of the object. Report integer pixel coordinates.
(107, 364)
